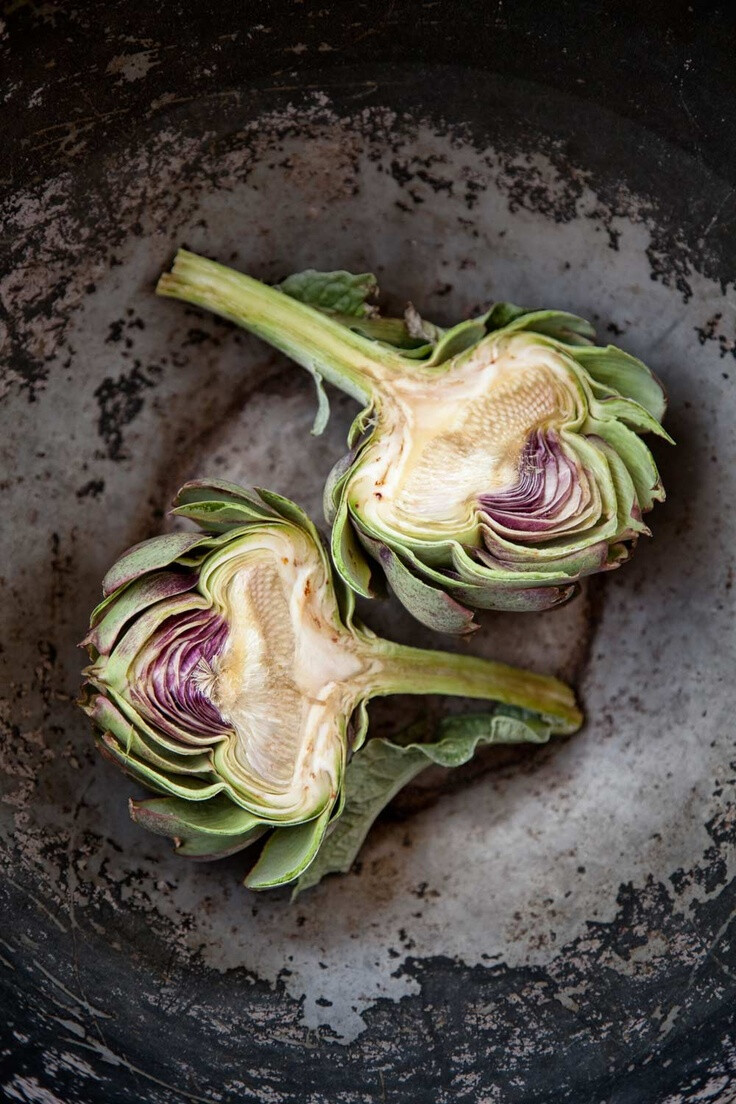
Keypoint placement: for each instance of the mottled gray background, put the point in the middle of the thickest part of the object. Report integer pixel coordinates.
(546, 925)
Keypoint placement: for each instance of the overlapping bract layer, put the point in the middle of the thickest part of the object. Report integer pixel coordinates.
(204, 697)
(513, 518)
(229, 675)
(494, 464)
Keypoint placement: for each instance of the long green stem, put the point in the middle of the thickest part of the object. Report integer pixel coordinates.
(313, 339)
(416, 671)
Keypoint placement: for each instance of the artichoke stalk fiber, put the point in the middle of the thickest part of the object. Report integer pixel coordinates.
(493, 465)
(230, 675)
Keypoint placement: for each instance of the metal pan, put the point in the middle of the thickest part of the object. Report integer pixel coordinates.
(552, 926)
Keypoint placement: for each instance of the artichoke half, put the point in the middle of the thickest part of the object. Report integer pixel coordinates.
(230, 676)
(493, 465)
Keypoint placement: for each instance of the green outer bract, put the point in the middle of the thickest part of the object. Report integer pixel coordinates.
(161, 733)
(325, 322)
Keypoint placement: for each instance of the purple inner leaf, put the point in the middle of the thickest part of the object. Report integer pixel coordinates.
(172, 688)
(546, 490)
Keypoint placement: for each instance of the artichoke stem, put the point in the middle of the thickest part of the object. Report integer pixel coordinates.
(318, 342)
(417, 671)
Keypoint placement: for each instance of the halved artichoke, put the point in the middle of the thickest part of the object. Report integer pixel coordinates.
(230, 676)
(494, 464)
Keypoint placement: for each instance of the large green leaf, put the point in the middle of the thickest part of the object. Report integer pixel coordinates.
(381, 768)
(339, 292)
(348, 299)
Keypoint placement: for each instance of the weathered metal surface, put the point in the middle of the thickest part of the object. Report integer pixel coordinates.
(558, 926)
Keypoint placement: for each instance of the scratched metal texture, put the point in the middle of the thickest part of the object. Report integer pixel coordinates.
(547, 925)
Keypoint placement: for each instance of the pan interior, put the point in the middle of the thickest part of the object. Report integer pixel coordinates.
(138, 394)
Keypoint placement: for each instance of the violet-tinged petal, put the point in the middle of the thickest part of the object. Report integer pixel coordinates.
(547, 489)
(171, 689)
